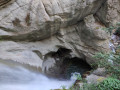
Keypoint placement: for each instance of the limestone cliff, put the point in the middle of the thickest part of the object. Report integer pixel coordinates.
(30, 29)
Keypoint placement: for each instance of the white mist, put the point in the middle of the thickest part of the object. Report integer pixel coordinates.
(19, 78)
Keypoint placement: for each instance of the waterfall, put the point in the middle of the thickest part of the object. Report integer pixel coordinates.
(113, 44)
(20, 78)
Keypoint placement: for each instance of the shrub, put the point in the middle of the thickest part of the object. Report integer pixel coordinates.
(109, 84)
(111, 62)
(111, 28)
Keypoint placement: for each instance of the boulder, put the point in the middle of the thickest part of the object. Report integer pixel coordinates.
(99, 72)
(94, 79)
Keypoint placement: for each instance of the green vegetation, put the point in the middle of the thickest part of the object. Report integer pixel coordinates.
(111, 62)
(109, 84)
(111, 28)
(85, 87)
(78, 77)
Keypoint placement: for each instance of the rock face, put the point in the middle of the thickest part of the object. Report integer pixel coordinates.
(4, 2)
(30, 29)
(110, 12)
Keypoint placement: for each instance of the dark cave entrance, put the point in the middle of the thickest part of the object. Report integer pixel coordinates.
(66, 64)
(72, 65)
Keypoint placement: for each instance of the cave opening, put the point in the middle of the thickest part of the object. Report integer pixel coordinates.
(65, 64)
(75, 64)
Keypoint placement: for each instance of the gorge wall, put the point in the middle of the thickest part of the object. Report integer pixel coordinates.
(30, 30)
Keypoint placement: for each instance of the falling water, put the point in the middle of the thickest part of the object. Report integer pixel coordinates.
(19, 78)
(113, 44)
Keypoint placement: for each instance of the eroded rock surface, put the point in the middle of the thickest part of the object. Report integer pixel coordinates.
(30, 29)
(109, 13)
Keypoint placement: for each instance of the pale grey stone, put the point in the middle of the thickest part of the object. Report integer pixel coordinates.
(30, 29)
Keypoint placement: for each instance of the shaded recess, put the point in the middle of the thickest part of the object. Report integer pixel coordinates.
(65, 64)
(75, 65)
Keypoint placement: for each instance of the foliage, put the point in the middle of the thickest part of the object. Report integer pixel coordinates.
(85, 86)
(109, 61)
(111, 28)
(78, 76)
(109, 84)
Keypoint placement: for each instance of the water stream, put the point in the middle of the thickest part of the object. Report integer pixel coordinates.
(20, 78)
